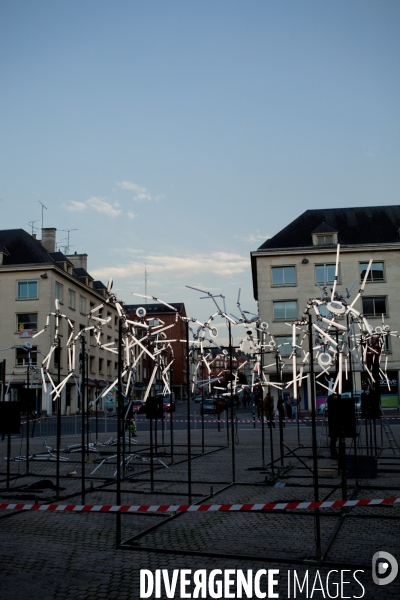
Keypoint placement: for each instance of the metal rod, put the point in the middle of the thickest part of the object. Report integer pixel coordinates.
(58, 421)
(27, 414)
(83, 389)
(119, 424)
(188, 415)
(232, 423)
(97, 421)
(171, 431)
(8, 459)
(280, 411)
(262, 404)
(87, 412)
(151, 457)
(202, 408)
(314, 443)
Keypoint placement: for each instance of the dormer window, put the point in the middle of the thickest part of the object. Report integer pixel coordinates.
(324, 240)
(324, 235)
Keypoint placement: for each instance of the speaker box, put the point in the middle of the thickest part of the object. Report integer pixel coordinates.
(10, 417)
(370, 406)
(367, 467)
(154, 407)
(341, 417)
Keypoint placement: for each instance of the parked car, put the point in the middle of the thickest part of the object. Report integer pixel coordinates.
(197, 399)
(323, 408)
(138, 406)
(223, 404)
(169, 403)
(208, 407)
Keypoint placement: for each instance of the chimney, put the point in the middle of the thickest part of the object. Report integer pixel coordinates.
(49, 239)
(78, 260)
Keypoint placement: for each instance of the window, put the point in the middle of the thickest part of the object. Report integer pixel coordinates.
(109, 315)
(91, 364)
(22, 357)
(374, 306)
(109, 368)
(27, 290)
(386, 343)
(376, 271)
(59, 292)
(325, 273)
(116, 368)
(115, 321)
(285, 310)
(27, 321)
(154, 322)
(71, 299)
(324, 240)
(109, 340)
(82, 305)
(285, 343)
(101, 363)
(283, 275)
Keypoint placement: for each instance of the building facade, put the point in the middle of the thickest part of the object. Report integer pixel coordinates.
(32, 276)
(288, 269)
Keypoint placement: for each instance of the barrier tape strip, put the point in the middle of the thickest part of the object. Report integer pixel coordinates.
(199, 508)
(257, 420)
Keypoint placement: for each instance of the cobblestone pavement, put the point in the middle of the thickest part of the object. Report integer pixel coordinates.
(70, 556)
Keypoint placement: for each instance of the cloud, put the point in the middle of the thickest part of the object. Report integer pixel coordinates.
(131, 215)
(141, 193)
(128, 250)
(97, 204)
(252, 238)
(217, 263)
(76, 206)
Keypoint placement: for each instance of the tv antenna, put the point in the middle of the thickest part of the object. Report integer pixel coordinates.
(32, 225)
(67, 247)
(43, 206)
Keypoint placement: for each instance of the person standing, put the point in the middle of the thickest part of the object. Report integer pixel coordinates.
(294, 408)
(288, 406)
(269, 409)
(281, 410)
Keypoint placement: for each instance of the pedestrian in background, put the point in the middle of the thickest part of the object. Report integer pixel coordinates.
(288, 406)
(294, 408)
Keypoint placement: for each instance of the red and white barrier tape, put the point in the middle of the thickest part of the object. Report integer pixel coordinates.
(199, 508)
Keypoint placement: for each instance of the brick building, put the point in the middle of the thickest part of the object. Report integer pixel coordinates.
(157, 314)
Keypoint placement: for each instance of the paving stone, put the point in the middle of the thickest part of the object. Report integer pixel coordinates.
(69, 556)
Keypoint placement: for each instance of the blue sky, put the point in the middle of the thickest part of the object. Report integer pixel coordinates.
(184, 133)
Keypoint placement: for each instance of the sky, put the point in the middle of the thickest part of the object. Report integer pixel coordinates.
(183, 134)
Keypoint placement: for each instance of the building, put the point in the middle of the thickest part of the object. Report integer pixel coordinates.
(287, 268)
(219, 365)
(156, 314)
(32, 276)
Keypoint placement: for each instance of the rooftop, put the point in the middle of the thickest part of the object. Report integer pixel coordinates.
(157, 308)
(20, 248)
(363, 225)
